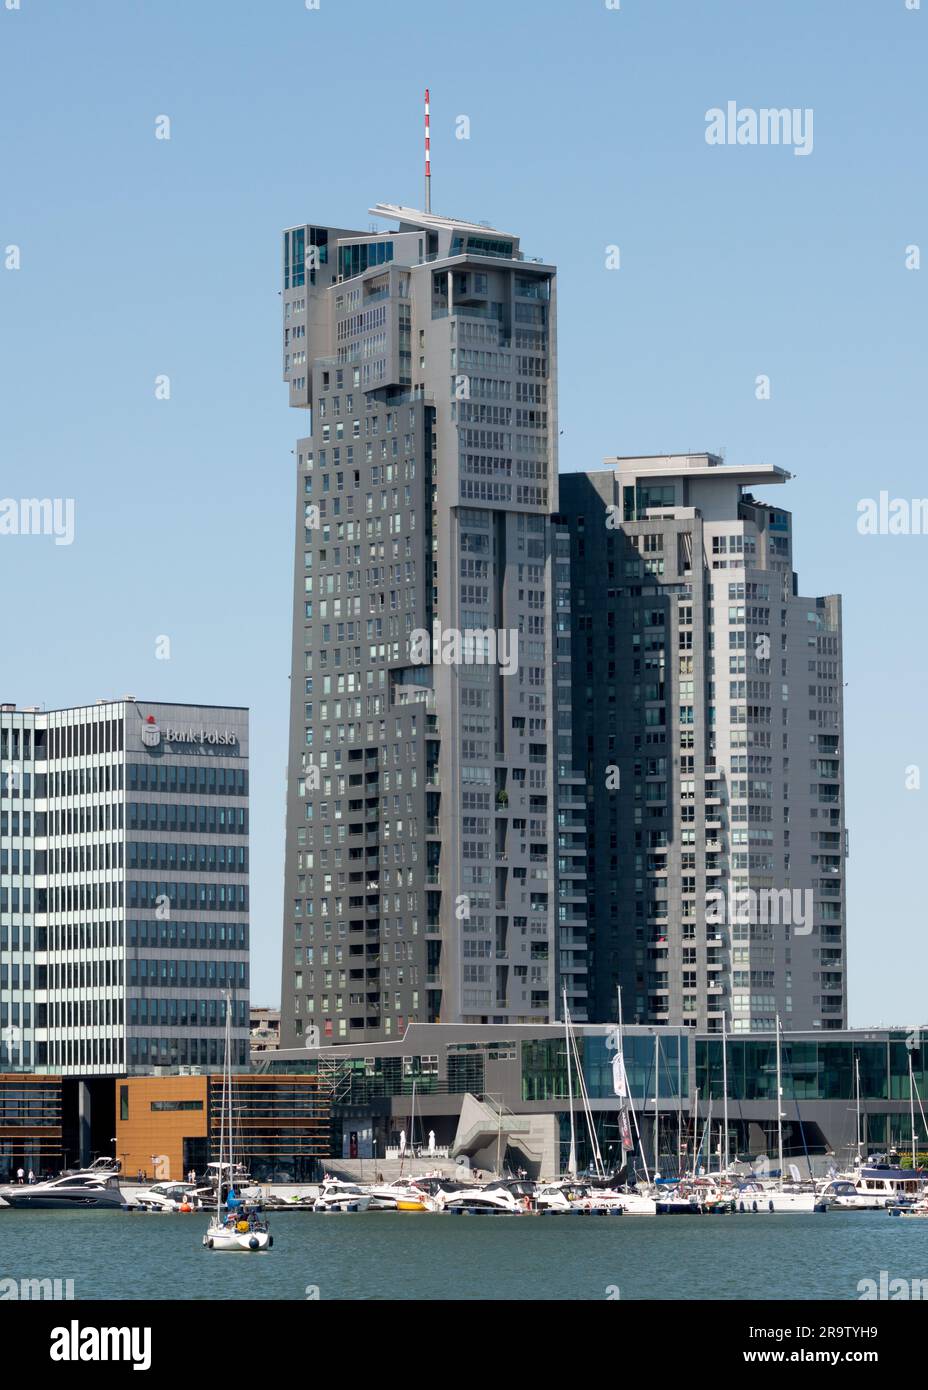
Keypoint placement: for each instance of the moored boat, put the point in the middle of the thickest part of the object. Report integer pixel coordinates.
(70, 1192)
(335, 1195)
(242, 1228)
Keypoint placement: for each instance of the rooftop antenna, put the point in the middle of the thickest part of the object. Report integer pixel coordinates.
(428, 159)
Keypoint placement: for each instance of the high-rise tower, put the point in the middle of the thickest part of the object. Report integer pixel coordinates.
(426, 767)
(707, 720)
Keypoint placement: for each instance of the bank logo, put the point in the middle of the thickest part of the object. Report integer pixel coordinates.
(151, 734)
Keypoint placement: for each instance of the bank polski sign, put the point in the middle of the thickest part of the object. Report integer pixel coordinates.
(153, 735)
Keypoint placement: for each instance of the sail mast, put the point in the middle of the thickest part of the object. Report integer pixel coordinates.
(657, 1067)
(587, 1109)
(222, 1130)
(229, 1076)
(912, 1110)
(572, 1159)
(725, 1090)
(779, 1106)
(629, 1098)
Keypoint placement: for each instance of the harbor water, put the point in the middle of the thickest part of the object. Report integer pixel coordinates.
(418, 1256)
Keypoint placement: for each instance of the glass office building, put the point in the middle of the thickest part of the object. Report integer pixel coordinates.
(123, 887)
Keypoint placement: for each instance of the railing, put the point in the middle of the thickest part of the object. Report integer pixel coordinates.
(418, 1151)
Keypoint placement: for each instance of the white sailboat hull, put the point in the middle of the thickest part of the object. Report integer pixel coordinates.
(633, 1204)
(785, 1201)
(224, 1239)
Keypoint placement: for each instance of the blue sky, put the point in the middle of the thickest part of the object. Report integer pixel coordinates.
(143, 257)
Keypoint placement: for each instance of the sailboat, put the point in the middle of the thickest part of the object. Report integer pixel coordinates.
(795, 1197)
(241, 1228)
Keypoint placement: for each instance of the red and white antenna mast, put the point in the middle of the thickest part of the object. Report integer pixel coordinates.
(428, 157)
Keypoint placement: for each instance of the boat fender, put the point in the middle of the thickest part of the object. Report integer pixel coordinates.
(270, 1242)
(754, 1207)
(209, 1243)
(741, 1206)
(253, 1243)
(770, 1206)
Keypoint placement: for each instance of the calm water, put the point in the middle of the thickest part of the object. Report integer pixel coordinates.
(113, 1255)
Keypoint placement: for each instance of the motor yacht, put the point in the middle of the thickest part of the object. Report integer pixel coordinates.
(479, 1200)
(906, 1208)
(335, 1195)
(400, 1196)
(844, 1196)
(165, 1196)
(70, 1192)
(885, 1183)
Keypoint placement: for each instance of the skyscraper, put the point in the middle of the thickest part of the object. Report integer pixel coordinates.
(426, 766)
(707, 719)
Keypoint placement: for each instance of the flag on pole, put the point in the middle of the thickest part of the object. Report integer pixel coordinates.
(619, 1084)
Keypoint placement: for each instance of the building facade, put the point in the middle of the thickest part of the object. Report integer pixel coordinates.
(492, 1094)
(168, 1125)
(427, 767)
(123, 887)
(707, 712)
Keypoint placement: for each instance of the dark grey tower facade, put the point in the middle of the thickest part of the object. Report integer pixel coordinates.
(427, 769)
(707, 718)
